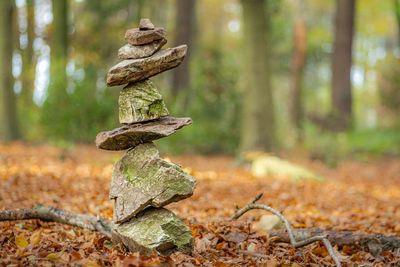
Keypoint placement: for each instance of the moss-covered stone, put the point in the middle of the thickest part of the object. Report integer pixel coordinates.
(155, 229)
(142, 179)
(140, 101)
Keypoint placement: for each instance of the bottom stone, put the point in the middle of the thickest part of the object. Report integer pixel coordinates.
(154, 229)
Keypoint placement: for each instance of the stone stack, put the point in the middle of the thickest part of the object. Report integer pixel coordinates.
(142, 182)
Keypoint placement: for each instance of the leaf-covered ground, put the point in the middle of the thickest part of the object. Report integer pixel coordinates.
(358, 196)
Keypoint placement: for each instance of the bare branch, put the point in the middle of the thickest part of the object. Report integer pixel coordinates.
(46, 213)
(253, 205)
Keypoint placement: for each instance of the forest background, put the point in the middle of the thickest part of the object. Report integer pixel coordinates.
(318, 76)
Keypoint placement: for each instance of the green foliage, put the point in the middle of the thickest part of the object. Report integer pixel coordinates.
(79, 115)
(214, 107)
(359, 144)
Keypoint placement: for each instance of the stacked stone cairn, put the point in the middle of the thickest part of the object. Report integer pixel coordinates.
(142, 182)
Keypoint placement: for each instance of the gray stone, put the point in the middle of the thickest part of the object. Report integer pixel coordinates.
(142, 179)
(138, 37)
(133, 70)
(154, 230)
(129, 51)
(145, 24)
(131, 135)
(140, 101)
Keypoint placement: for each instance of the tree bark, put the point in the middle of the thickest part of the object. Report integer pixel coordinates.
(8, 115)
(298, 63)
(28, 64)
(184, 28)
(341, 64)
(59, 46)
(57, 101)
(258, 122)
(51, 214)
(397, 13)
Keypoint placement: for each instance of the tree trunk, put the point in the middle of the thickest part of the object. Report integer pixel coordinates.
(258, 124)
(397, 13)
(341, 64)
(8, 118)
(298, 63)
(184, 27)
(28, 63)
(59, 45)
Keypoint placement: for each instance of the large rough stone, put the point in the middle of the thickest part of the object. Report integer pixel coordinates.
(154, 230)
(140, 101)
(142, 179)
(140, 51)
(133, 70)
(138, 37)
(145, 24)
(131, 135)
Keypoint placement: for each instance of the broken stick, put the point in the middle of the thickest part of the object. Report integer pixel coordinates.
(253, 205)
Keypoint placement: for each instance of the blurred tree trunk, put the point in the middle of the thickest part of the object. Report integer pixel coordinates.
(8, 116)
(54, 115)
(28, 63)
(298, 63)
(184, 28)
(341, 64)
(258, 124)
(397, 13)
(59, 45)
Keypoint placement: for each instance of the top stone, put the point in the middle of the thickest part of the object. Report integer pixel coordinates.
(145, 24)
(141, 37)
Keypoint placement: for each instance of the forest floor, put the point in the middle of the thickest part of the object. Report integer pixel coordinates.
(357, 196)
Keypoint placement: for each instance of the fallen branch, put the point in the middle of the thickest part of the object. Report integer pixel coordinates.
(373, 243)
(52, 214)
(303, 242)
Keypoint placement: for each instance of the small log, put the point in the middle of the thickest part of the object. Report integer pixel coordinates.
(374, 243)
(51, 214)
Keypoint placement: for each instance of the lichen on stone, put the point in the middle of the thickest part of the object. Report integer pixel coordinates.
(155, 229)
(142, 179)
(140, 101)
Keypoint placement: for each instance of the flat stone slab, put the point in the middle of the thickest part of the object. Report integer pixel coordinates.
(129, 51)
(146, 24)
(140, 101)
(154, 230)
(140, 37)
(131, 135)
(142, 179)
(134, 70)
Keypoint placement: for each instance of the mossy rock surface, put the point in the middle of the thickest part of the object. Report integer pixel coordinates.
(139, 102)
(155, 229)
(142, 179)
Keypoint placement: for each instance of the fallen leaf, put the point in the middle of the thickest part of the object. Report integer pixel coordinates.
(90, 263)
(35, 238)
(21, 242)
(53, 256)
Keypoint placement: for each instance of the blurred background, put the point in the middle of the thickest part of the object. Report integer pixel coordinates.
(270, 75)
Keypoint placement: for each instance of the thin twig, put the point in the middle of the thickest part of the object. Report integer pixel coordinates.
(253, 205)
(46, 213)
